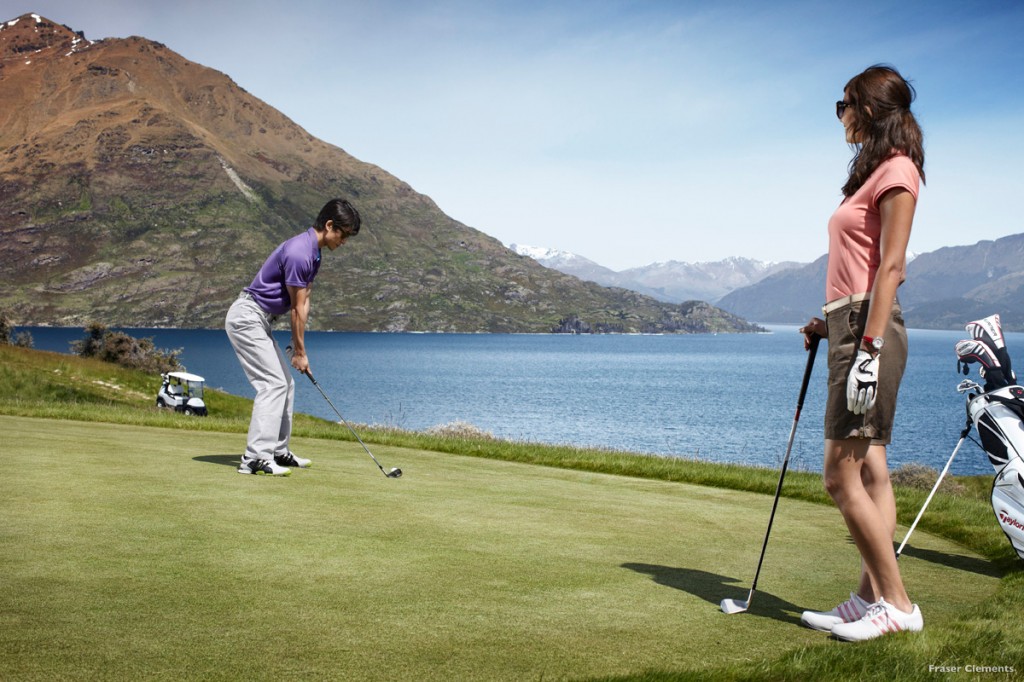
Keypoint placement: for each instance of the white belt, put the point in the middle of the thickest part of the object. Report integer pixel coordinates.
(844, 301)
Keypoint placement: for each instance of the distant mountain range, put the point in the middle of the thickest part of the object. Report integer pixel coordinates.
(671, 281)
(945, 289)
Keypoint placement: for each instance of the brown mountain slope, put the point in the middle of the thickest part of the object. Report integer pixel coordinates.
(138, 188)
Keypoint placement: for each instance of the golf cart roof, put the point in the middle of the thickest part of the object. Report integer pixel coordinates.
(185, 376)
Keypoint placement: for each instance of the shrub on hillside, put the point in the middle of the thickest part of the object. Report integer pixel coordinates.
(125, 350)
(7, 335)
(923, 478)
(460, 429)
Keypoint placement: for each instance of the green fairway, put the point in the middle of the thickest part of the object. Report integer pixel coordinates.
(138, 552)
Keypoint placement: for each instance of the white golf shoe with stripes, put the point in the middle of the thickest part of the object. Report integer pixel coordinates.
(849, 611)
(290, 459)
(262, 467)
(882, 618)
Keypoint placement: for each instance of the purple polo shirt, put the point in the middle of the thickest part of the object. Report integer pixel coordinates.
(294, 263)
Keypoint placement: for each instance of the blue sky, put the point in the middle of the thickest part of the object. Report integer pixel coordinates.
(628, 133)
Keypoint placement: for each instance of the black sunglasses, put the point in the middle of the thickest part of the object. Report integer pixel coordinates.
(841, 107)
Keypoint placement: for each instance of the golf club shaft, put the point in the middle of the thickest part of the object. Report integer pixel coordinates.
(345, 422)
(942, 475)
(811, 352)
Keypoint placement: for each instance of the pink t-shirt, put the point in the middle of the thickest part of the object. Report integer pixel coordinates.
(855, 229)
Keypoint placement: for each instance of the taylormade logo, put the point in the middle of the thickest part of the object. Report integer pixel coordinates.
(1008, 520)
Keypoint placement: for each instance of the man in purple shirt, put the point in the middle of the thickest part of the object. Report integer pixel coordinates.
(281, 286)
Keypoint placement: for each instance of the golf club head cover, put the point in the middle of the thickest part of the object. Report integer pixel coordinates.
(990, 332)
(969, 351)
(862, 384)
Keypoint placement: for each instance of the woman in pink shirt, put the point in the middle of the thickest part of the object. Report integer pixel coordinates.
(868, 236)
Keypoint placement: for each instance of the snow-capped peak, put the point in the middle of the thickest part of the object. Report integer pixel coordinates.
(540, 252)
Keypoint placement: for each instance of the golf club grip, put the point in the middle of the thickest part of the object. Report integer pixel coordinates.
(811, 353)
(307, 372)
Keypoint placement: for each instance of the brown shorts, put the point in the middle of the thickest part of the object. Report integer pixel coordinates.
(845, 327)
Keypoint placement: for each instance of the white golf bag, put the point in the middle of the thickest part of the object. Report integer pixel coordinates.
(1008, 502)
(999, 418)
(998, 415)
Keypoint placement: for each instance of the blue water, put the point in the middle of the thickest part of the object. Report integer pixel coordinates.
(722, 398)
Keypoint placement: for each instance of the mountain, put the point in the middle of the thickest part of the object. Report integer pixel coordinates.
(945, 289)
(672, 281)
(791, 296)
(710, 281)
(952, 286)
(587, 270)
(138, 188)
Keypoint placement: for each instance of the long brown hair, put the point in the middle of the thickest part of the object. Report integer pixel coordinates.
(883, 124)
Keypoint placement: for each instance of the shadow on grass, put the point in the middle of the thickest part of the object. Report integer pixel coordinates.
(712, 588)
(957, 561)
(226, 460)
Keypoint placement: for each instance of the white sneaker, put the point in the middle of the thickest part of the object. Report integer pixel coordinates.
(882, 618)
(850, 610)
(290, 459)
(262, 467)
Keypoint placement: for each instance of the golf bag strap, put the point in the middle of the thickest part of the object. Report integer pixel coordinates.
(1011, 402)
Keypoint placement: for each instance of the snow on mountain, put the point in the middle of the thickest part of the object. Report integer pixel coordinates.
(672, 281)
(549, 257)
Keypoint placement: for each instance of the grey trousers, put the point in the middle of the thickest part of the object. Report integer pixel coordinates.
(269, 372)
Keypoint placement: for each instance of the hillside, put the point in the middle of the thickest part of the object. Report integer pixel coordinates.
(138, 188)
(791, 296)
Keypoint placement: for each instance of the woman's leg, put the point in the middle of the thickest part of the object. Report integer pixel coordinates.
(875, 476)
(871, 528)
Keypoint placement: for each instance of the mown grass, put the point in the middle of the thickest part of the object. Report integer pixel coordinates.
(53, 386)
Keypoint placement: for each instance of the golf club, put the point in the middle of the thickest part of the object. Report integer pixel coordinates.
(731, 606)
(392, 473)
(965, 386)
(963, 437)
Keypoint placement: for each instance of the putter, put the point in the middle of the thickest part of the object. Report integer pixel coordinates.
(731, 606)
(391, 473)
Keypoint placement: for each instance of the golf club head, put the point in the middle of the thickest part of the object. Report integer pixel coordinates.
(968, 385)
(731, 606)
(394, 473)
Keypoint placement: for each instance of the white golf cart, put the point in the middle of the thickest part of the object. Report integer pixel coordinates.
(183, 392)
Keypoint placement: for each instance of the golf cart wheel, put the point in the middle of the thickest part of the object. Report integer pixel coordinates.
(160, 402)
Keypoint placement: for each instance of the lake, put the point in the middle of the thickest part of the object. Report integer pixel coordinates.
(721, 398)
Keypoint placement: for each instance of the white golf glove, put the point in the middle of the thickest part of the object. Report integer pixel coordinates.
(862, 384)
